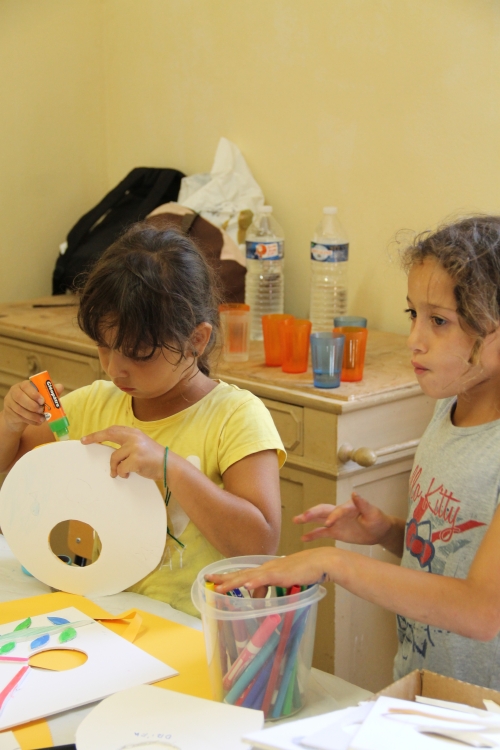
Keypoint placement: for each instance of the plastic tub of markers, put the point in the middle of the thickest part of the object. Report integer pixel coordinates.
(259, 651)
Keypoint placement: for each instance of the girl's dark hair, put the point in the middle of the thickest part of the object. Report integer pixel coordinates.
(150, 290)
(469, 251)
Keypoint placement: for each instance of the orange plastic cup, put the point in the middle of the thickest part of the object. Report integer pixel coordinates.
(235, 323)
(353, 361)
(273, 348)
(295, 338)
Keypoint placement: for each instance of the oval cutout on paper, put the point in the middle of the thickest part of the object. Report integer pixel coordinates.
(58, 659)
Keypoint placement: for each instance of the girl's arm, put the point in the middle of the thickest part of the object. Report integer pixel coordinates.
(469, 607)
(355, 522)
(243, 518)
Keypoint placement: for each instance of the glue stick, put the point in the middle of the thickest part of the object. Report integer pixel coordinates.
(52, 409)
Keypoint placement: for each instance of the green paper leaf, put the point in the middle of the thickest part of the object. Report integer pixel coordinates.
(23, 625)
(67, 635)
(7, 647)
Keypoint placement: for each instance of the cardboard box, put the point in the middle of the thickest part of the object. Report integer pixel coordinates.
(432, 685)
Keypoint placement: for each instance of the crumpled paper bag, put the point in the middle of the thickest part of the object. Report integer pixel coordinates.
(228, 197)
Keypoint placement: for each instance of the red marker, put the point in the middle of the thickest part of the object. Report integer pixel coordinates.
(251, 650)
(285, 632)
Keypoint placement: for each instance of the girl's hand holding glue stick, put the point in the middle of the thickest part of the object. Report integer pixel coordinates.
(52, 409)
(28, 403)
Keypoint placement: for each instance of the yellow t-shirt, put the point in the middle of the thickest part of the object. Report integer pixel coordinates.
(220, 429)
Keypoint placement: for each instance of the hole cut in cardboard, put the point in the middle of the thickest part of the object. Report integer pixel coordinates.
(75, 540)
(58, 659)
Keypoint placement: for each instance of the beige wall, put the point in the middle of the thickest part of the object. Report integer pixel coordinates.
(389, 109)
(52, 146)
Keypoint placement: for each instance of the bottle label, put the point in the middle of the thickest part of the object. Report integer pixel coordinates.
(265, 250)
(329, 253)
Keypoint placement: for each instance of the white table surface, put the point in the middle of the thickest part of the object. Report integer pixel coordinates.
(325, 692)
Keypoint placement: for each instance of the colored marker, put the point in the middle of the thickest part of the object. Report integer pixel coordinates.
(256, 694)
(287, 706)
(285, 632)
(253, 668)
(295, 639)
(251, 650)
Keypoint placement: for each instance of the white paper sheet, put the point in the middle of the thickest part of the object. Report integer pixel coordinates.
(395, 731)
(113, 664)
(339, 734)
(147, 715)
(290, 735)
(8, 741)
(70, 481)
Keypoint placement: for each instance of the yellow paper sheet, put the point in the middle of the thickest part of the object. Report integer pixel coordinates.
(177, 645)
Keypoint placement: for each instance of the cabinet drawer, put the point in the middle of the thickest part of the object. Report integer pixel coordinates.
(289, 421)
(19, 360)
(386, 428)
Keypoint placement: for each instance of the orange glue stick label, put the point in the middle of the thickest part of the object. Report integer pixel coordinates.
(53, 411)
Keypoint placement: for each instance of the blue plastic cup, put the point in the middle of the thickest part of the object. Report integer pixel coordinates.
(349, 320)
(326, 351)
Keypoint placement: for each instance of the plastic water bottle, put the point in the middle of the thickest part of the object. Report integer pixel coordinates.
(329, 258)
(264, 281)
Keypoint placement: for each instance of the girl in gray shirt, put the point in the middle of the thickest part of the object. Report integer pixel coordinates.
(446, 592)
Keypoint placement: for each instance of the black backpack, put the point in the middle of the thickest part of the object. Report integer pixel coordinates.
(142, 190)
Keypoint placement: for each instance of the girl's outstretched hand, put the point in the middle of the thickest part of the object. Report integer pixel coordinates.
(301, 569)
(137, 452)
(355, 522)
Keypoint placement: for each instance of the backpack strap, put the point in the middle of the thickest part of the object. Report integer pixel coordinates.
(87, 221)
(188, 221)
(163, 185)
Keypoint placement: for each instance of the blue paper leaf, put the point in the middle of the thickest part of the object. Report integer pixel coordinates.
(40, 641)
(58, 620)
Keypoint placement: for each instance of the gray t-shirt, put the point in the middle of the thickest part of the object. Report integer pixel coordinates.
(454, 493)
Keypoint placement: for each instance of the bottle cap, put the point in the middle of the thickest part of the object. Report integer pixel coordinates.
(330, 210)
(266, 210)
(60, 428)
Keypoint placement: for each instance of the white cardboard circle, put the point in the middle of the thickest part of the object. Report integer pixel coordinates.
(70, 481)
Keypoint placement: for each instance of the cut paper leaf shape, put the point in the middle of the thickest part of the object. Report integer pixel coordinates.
(24, 624)
(58, 620)
(67, 635)
(41, 641)
(7, 647)
(18, 636)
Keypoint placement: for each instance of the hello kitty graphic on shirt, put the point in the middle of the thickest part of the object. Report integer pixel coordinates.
(435, 518)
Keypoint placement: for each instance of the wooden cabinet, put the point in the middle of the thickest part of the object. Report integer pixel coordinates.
(386, 414)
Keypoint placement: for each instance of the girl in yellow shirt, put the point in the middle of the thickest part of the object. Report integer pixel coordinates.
(151, 307)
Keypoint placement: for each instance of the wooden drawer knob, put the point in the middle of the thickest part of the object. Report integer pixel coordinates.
(361, 456)
(33, 365)
(367, 456)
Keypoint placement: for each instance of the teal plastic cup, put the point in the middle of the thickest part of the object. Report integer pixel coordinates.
(327, 350)
(349, 320)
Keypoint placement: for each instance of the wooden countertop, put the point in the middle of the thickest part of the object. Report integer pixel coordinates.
(388, 375)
